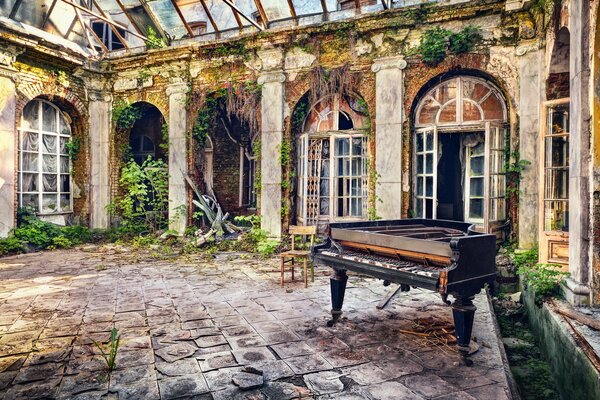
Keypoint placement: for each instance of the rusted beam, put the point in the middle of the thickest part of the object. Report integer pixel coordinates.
(14, 9)
(241, 14)
(105, 19)
(154, 19)
(324, 6)
(85, 31)
(112, 25)
(357, 5)
(292, 9)
(209, 15)
(187, 26)
(263, 14)
(47, 16)
(130, 20)
(104, 48)
(385, 4)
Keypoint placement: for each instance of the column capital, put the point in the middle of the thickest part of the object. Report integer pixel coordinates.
(177, 87)
(10, 73)
(388, 63)
(99, 95)
(527, 47)
(271, 59)
(271, 77)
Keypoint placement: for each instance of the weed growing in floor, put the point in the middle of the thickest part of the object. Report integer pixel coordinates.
(256, 239)
(110, 357)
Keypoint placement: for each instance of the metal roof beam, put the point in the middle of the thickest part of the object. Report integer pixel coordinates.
(263, 14)
(86, 33)
(14, 9)
(188, 28)
(111, 24)
(241, 14)
(209, 15)
(47, 16)
(292, 9)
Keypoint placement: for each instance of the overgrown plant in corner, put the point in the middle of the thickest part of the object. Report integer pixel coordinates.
(110, 357)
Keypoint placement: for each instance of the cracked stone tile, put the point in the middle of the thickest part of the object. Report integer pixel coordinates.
(139, 390)
(11, 363)
(489, 392)
(6, 378)
(135, 343)
(217, 360)
(343, 358)
(197, 324)
(279, 337)
(39, 372)
(134, 358)
(232, 320)
(326, 382)
(456, 396)
(244, 342)
(176, 352)
(43, 357)
(306, 364)
(210, 341)
(84, 382)
(292, 349)
(239, 330)
(392, 391)
(430, 385)
(34, 390)
(274, 390)
(131, 374)
(221, 379)
(468, 382)
(186, 366)
(180, 386)
(85, 364)
(269, 326)
(253, 355)
(326, 344)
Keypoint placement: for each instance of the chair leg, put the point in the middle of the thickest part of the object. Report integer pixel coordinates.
(312, 272)
(292, 269)
(282, 268)
(305, 273)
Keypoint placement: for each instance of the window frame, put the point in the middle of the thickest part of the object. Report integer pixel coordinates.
(40, 132)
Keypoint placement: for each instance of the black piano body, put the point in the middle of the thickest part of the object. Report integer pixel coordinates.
(448, 257)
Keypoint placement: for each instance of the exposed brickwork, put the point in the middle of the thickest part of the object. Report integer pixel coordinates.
(557, 86)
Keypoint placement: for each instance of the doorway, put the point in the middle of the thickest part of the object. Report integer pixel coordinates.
(450, 181)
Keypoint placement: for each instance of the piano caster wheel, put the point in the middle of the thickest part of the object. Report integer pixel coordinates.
(335, 316)
(330, 323)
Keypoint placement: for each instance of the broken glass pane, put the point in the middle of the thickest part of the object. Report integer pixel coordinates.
(31, 116)
(49, 118)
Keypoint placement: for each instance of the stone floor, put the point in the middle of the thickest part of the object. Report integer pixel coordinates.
(189, 326)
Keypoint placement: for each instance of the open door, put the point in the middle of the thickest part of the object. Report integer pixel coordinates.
(494, 210)
(426, 158)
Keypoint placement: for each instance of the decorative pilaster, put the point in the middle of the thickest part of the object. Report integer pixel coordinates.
(272, 112)
(8, 140)
(389, 93)
(177, 156)
(99, 110)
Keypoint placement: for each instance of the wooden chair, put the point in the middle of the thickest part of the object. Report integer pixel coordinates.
(300, 255)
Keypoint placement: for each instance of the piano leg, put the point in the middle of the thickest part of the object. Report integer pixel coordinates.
(337, 283)
(463, 312)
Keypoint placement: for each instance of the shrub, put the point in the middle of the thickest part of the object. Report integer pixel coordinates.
(542, 278)
(11, 245)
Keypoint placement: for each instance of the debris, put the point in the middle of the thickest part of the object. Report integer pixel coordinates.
(576, 315)
(516, 297)
(388, 297)
(516, 343)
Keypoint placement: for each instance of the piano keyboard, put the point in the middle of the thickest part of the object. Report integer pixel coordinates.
(385, 262)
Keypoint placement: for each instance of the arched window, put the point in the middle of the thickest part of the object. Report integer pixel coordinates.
(333, 162)
(461, 101)
(44, 165)
(142, 147)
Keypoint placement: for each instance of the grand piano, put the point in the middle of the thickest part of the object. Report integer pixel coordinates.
(448, 257)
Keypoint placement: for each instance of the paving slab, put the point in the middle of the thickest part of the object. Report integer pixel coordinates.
(189, 325)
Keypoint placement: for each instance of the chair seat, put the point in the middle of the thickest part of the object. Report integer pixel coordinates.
(295, 253)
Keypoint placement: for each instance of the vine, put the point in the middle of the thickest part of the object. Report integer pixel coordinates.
(324, 83)
(164, 143)
(73, 147)
(125, 114)
(155, 41)
(437, 42)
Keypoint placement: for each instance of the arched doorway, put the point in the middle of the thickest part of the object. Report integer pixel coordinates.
(332, 162)
(146, 134)
(458, 155)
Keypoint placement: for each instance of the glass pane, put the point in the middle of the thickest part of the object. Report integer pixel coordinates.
(64, 164)
(49, 203)
(477, 164)
(343, 147)
(31, 116)
(63, 145)
(356, 187)
(49, 182)
(325, 169)
(29, 141)
(324, 206)
(49, 144)
(476, 208)
(356, 167)
(429, 164)
(559, 119)
(419, 164)
(445, 92)
(556, 216)
(65, 202)
(49, 118)
(419, 186)
(30, 162)
(448, 114)
(557, 151)
(476, 187)
(65, 129)
(428, 208)
(429, 141)
(428, 112)
(29, 183)
(474, 90)
(501, 213)
(429, 186)
(478, 150)
(357, 146)
(557, 184)
(49, 163)
(31, 201)
(147, 144)
(492, 108)
(359, 207)
(65, 183)
(471, 112)
(419, 142)
(419, 208)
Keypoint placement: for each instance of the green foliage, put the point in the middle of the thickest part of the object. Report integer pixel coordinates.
(143, 75)
(437, 42)
(60, 242)
(514, 168)
(164, 143)
(542, 278)
(11, 245)
(542, 6)
(285, 151)
(124, 114)
(144, 205)
(418, 14)
(206, 117)
(110, 357)
(155, 41)
(255, 239)
(73, 146)
(299, 115)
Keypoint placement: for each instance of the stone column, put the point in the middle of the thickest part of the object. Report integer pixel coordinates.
(177, 156)
(579, 156)
(8, 142)
(530, 95)
(100, 104)
(272, 113)
(389, 93)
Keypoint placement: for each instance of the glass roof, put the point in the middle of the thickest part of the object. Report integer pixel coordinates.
(128, 23)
